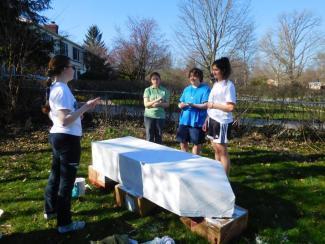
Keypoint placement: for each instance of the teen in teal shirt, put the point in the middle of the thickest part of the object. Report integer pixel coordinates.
(155, 99)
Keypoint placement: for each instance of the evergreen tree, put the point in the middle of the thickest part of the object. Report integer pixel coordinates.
(94, 40)
(21, 46)
(96, 57)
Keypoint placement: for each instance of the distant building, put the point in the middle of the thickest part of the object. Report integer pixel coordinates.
(316, 85)
(271, 82)
(64, 46)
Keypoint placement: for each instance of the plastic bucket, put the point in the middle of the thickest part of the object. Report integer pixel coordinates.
(79, 187)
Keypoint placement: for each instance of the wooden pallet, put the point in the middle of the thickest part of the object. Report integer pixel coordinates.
(219, 231)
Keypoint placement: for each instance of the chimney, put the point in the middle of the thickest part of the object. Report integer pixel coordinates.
(53, 27)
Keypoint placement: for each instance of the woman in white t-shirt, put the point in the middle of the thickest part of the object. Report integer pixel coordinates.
(64, 138)
(222, 101)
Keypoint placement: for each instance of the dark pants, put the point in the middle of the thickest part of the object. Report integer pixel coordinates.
(154, 129)
(65, 161)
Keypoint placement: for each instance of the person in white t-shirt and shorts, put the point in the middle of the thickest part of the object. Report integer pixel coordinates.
(221, 103)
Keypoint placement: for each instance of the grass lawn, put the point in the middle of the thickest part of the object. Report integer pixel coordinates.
(280, 111)
(281, 183)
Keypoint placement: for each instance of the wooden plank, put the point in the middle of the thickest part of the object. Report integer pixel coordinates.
(133, 203)
(219, 231)
(99, 180)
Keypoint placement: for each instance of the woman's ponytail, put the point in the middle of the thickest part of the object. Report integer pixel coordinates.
(46, 106)
(55, 67)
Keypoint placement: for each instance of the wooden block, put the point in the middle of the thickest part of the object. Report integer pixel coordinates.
(133, 203)
(119, 196)
(219, 231)
(99, 180)
(188, 221)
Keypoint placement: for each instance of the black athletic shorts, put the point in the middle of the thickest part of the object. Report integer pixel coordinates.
(218, 132)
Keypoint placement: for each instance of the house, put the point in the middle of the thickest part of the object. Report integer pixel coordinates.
(316, 85)
(63, 45)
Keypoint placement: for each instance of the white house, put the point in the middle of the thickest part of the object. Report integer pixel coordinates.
(316, 85)
(64, 46)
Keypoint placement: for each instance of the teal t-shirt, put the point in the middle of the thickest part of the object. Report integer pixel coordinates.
(151, 94)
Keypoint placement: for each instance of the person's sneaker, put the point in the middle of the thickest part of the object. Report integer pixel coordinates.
(49, 216)
(74, 226)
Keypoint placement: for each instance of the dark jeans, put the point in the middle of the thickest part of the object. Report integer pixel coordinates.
(154, 129)
(65, 161)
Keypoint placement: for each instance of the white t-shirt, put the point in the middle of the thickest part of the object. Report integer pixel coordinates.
(62, 98)
(222, 92)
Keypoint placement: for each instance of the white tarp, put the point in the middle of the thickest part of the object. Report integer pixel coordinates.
(183, 183)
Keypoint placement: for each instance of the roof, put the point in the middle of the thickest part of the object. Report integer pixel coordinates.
(60, 37)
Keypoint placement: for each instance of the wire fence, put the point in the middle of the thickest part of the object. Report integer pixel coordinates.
(250, 111)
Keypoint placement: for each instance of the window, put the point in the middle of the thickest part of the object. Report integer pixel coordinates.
(63, 48)
(56, 47)
(77, 74)
(46, 37)
(75, 54)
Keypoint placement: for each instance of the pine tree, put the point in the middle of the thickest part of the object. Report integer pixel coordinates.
(93, 39)
(21, 46)
(96, 57)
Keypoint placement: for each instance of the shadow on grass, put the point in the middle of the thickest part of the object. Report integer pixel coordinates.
(102, 221)
(23, 199)
(265, 156)
(292, 172)
(96, 230)
(34, 151)
(23, 175)
(93, 231)
(265, 210)
(20, 151)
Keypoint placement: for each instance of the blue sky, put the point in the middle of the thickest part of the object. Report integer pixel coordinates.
(75, 16)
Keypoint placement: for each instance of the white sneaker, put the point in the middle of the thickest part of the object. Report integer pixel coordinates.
(74, 226)
(49, 216)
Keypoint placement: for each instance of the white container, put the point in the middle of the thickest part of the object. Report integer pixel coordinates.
(79, 186)
(130, 203)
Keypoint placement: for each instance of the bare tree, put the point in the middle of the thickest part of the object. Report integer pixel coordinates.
(213, 28)
(142, 51)
(291, 46)
(320, 66)
(242, 60)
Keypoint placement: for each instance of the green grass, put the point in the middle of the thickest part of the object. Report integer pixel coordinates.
(280, 111)
(282, 186)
